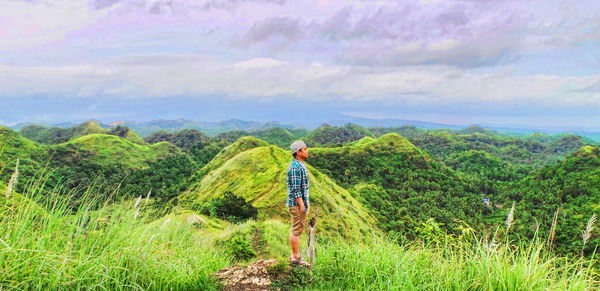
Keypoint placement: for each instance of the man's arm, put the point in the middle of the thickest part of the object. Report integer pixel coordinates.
(301, 203)
(294, 183)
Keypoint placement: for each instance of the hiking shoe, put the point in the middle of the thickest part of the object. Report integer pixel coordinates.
(299, 262)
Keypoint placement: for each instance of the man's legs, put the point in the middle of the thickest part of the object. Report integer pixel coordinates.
(298, 223)
(295, 242)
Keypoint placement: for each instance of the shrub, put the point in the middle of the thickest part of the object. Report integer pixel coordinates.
(239, 248)
(232, 208)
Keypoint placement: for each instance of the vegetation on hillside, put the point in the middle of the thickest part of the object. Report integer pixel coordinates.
(56, 135)
(400, 184)
(125, 245)
(255, 171)
(573, 187)
(228, 191)
(331, 136)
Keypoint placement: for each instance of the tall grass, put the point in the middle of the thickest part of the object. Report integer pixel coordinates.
(384, 265)
(46, 245)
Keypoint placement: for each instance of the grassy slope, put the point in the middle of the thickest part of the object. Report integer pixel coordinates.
(112, 149)
(111, 249)
(93, 150)
(134, 137)
(259, 175)
(54, 135)
(278, 136)
(400, 183)
(89, 127)
(12, 147)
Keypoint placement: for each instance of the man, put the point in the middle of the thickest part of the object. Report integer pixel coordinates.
(297, 202)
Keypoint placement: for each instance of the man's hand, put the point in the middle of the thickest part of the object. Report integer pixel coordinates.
(301, 204)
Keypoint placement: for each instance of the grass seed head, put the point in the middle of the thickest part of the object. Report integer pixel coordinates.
(588, 229)
(147, 197)
(510, 217)
(13, 180)
(137, 202)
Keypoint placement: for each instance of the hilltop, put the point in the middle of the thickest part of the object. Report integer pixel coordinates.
(56, 135)
(257, 172)
(330, 136)
(100, 159)
(400, 183)
(107, 149)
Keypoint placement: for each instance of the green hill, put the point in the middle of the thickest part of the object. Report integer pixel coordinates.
(258, 174)
(574, 186)
(99, 159)
(184, 139)
(56, 135)
(329, 136)
(407, 131)
(476, 129)
(89, 127)
(107, 149)
(126, 133)
(242, 145)
(278, 136)
(12, 147)
(400, 184)
(567, 144)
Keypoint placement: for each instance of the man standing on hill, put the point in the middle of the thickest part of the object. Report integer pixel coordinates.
(297, 202)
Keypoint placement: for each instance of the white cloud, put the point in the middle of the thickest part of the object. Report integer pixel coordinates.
(197, 75)
(259, 63)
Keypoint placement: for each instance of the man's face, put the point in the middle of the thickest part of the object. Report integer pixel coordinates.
(302, 153)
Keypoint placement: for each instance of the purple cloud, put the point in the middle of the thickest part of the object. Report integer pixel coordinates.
(284, 27)
(101, 4)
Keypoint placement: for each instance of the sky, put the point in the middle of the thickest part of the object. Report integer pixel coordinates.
(521, 63)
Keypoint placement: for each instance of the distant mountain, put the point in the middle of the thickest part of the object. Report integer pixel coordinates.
(590, 133)
(366, 122)
(146, 128)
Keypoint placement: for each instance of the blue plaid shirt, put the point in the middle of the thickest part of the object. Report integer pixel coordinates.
(297, 183)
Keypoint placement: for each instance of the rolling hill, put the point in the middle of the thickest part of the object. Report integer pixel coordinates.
(56, 135)
(257, 172)
(400, 184)
(107, 149)
(573, 185)
(89, 159)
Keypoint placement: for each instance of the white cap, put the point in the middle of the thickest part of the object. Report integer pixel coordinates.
(297, 145)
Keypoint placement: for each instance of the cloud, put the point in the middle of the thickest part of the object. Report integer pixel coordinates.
(465, 34)
(286, 28)
(259, 63)
(156, 76)
(384, 52)
(101, 4)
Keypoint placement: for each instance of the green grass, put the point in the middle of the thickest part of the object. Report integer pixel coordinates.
(110, 149)
(46, 246)
(107, 249)
(384, 265)
(390, 141)
(258, 174)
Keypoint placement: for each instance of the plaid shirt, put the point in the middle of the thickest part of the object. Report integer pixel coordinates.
(297, 183)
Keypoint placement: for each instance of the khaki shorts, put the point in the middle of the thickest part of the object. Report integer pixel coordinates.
(298, 220)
